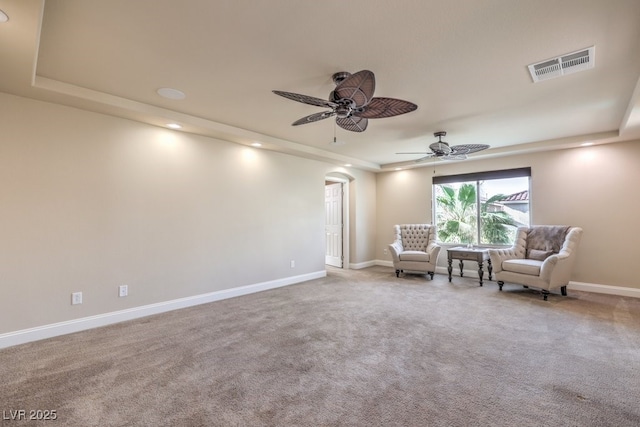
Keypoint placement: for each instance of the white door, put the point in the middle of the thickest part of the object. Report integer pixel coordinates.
(333, 224)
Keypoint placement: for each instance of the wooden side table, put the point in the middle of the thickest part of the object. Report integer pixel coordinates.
(479, 255)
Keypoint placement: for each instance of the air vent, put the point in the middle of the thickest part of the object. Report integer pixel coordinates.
(562, 65)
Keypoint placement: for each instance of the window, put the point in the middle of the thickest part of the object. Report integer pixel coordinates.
(481, 208)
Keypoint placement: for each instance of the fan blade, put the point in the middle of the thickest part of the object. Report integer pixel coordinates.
(454, 157)
(386, 107)
(358, 87)
(414, 152)
(458, 150)
(354, 124)
(467, 148)
(313, 118)
(422, 159)
(305, 99)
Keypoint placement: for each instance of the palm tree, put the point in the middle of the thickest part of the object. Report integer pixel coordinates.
(457, 217)
(457, 214)
(497, 227)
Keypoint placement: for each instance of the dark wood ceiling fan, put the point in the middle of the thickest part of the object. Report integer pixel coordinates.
(442, 150)
(352, 102)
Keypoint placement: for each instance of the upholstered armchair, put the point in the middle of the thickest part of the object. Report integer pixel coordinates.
(414, 248)
(542, 257)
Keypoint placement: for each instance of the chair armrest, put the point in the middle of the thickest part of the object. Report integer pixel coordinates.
(433, 250)
(516, 251)
(556, 269)
(548, 265)
(499, 255)
(395, 248)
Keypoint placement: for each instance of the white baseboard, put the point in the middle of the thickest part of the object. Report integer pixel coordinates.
(62, 328)
(604, 289)
(360, 265)
(384, 263)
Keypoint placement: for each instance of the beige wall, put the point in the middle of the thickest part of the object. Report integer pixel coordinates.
(592, 187)
(363, 217)
(90, 202)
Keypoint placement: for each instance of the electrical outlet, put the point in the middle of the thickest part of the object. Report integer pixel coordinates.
(293, 264)
(76, 298)
(123, 291)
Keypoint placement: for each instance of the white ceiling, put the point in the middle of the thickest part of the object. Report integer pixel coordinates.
(463, 62)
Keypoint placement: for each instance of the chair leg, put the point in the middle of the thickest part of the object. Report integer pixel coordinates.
(500, 283)
(397, 273)
(525, 286)
(545, 294)
(563, 290)
(430, 274)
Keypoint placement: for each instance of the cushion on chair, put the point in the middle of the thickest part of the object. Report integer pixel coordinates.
(522, 266)
(538, 255)
(414, 256)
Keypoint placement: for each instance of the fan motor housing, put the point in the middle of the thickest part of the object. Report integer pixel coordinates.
(345, 107)
(340, 76)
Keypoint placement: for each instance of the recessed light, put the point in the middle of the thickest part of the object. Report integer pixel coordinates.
(174, 126)
(256, 144)
(586, 144)
(169, 93)
(348, 165)
(398, 169)
(3, 16)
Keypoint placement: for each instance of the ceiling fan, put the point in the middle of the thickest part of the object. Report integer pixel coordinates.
(442, 150)
(352, 102)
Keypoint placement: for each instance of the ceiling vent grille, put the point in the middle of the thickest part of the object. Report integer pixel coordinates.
(562, 65)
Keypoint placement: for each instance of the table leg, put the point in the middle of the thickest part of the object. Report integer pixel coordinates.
(489, 267)
(450, 268)
(480, 272)
(461, 267)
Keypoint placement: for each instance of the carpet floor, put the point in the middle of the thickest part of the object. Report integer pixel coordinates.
(357, 348)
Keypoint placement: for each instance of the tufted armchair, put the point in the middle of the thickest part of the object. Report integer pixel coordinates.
(542, 257)
(415, 248)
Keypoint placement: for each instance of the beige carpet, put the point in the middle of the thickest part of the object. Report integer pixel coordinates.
(358, 348)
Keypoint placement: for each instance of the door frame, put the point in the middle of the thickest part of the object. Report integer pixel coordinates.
(345, 217)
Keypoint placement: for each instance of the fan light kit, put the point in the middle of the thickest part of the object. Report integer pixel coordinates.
(352, 102)
(442, 150)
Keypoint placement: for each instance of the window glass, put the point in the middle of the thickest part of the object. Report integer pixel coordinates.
(504, 207)
(456, 212)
